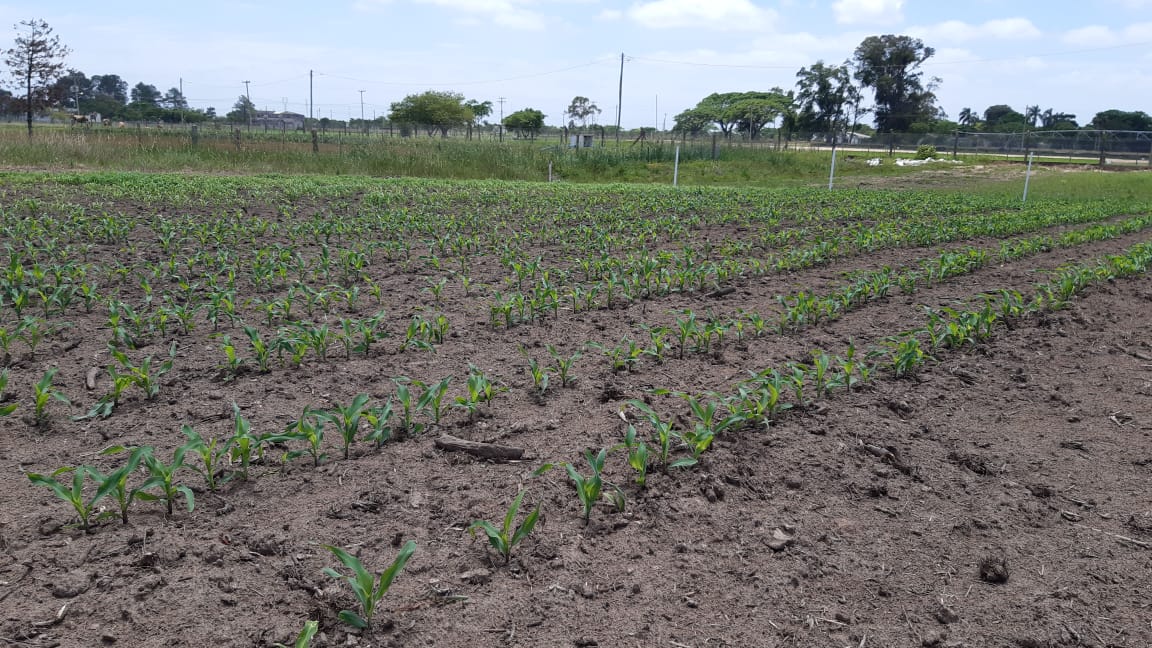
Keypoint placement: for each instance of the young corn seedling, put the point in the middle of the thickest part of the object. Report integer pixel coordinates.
(657, 345)
(5, 410)
(304, 639)
(848, 366)
(115, 483)
(538, 373)
(143, 376)
(212, 455)
(244, 446)
(432, 399)
(480, 390)
(685, 329)
(163, 476)
(260, 348)
(234, 364)
(824, 377)
(367, 588)
(43, 393)
(309, 428)
(32, 331)
(906, 355)
(74, 495)
(797, 376)
(436, 288)
(380, 418)
(347, 420)
(637, 455)
(371, 330)
(664, 437)
(589, 489)
(507, 537)
(757, 402)
(408, 426)
(564, 365)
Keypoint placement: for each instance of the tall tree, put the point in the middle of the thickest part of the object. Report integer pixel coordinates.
(70, 90)
(1052, 120)
(525, 123)
(143, 93)
(826, 96)
(581, 110)
(755, 110)
(1032, 115)
(36, 61)
(692, 122)
(1002, 118)
(480, 109)
(968, 118)
(110, 86)
(1122, 120)
(174, 100)
(890, 65)
(434, 110)
(242, 111)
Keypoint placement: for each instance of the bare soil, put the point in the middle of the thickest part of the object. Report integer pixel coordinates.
(1010, 505)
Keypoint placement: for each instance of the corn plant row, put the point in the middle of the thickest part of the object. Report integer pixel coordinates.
(803, 309)
(200, 260)
(608, 281)
(762, 398)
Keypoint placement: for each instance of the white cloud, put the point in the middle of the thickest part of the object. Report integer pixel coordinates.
(610, 15)
(869, 12)
(1101, 36)
(506, 13)
(721, 15)
(956, 31)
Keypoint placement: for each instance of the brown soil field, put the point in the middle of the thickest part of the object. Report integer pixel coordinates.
(998, 497)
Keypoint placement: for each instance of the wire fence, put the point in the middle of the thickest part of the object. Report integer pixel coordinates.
(1102, 147)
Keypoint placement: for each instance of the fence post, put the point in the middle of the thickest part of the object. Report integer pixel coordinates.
(1100, 136)
(549, 170)
(676, 168)
(315, 142)
(955, 144)
(832, 169)
(1027, 177)
(713, 147)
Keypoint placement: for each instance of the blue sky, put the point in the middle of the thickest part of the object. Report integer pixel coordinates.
(1078, 57)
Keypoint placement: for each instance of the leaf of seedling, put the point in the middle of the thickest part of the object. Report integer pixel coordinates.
(116, 482)
(73, 495)
(505, 539)
(304, 639)
(368, 590)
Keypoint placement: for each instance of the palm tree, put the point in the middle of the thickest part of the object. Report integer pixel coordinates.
(1031, 115)
(968, 118)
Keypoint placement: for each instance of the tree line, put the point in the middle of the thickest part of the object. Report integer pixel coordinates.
(827, 100)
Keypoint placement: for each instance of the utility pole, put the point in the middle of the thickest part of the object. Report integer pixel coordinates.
(620, 99)
(311, 103)
(182, 110)
(248, 108)
(361, 107)
(502, 100)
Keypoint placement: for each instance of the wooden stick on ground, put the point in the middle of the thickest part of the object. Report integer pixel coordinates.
(483, 450)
